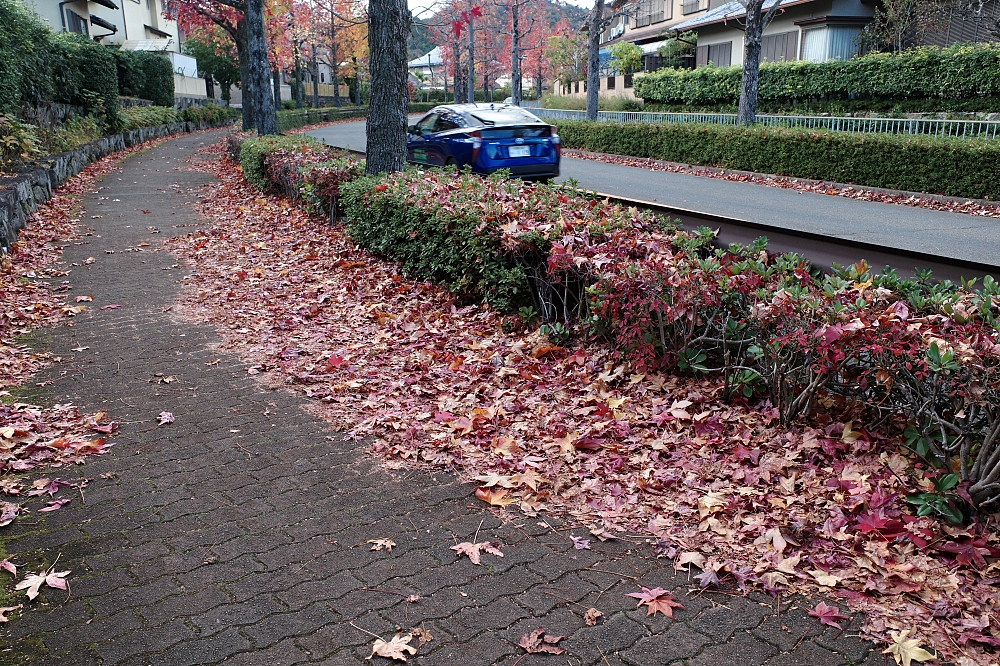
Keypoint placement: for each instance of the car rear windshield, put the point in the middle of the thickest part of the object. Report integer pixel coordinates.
(505, 115)
(514, 132)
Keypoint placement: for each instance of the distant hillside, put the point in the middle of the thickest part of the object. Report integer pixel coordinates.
(420, 42)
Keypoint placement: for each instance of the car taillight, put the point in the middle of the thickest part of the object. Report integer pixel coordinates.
(477, 143)
(557, 142)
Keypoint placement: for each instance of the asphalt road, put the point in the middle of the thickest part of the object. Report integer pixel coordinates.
(948, 235)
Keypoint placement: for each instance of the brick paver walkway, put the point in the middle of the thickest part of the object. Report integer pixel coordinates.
(237, 534)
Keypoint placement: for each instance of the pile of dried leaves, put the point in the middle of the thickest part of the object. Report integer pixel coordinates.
(720, 486)
(967, 207)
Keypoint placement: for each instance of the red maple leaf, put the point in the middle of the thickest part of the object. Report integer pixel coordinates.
(827, 615)
(656, 600)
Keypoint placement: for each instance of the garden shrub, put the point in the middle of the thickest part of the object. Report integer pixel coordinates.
(135, 117)
(18, 141)
(958, 72)
(253, 149)
(145, 75)
(86, 75)
(955, 167)
(922, 357)
(25, 76)
(209, 113)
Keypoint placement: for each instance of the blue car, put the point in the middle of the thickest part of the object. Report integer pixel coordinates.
(488, 137)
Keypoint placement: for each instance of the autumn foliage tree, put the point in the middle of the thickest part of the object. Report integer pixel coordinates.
(243, 20)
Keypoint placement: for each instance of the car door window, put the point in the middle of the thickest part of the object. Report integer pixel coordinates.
(445, 123)
(426, 125)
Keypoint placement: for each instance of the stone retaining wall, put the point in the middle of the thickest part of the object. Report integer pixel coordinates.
(21, 194)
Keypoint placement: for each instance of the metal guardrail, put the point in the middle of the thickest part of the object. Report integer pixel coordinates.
(965, 129)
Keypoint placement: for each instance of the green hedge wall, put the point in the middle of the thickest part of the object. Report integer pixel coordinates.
(145, 75)
(955, 167)
(959, 72)
(84, 73)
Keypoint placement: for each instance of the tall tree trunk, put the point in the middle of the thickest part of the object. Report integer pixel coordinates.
(334, 64)
(246, 82)
(747, 113)
(538, 83)
(595, 26)
(260, 71)
(515, 54)
(210, 87)
(388, 28)
(276, 80)
(471, 83)
(315, 78)
(755, 24)
(299, 97)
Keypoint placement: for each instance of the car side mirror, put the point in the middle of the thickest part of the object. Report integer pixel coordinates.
(412, 129)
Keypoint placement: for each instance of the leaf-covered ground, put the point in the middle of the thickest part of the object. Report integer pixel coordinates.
(966, 207)
(35, 292)
(721, 488)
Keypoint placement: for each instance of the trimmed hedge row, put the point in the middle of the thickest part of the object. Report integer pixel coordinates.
(145, 75)
(959, 72)
(151, 116)
(922, 357)
(954, 167)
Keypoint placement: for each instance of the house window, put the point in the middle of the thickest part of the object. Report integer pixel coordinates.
(720, 55)
(611, 83)
(76, 23)
(692, 6)
(322, 77)
(652, 11)
(783, 46)
(830, 43)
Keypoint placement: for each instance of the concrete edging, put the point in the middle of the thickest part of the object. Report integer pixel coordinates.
(21, 195)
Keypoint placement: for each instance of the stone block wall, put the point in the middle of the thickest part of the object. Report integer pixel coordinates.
(21, 194)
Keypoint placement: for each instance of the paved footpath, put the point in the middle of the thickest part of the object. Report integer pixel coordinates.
(238, 533)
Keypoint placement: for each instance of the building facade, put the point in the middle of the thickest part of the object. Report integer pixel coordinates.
(136, 25)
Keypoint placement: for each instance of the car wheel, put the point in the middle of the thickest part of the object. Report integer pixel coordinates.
(450, 162)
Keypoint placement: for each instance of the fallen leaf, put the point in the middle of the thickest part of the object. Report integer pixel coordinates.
(394, 649)
(656, 600)
(84, 299)
(538, 642)
(8, 512)
(54, 505)
(494, 498)
(422, 636)
(165, 417)
(473, 549)
(579, 543)
(8, 609)
(7, 565)
(33, 582)
(905, 651)
(379, 544)
(591, 617)
(827, 615)
(112, 306)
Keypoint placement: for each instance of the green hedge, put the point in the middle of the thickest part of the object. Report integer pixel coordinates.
(84, 73)
(299, 118)
(955, 167)
(24, 65)
(145, 75)
(959, 72)
(254, 149)
(209, 113)
(135, 117)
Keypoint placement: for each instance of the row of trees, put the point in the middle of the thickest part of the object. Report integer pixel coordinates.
(251, 42)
